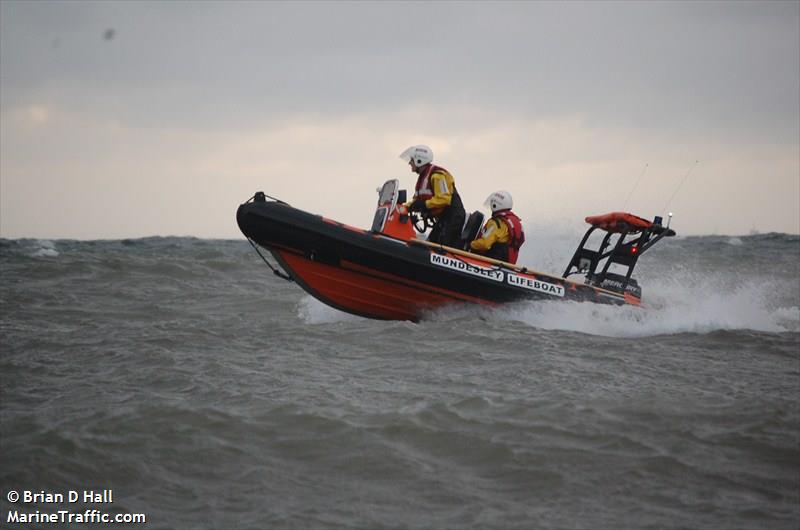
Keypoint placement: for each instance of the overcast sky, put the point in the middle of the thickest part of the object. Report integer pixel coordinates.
(128, 119)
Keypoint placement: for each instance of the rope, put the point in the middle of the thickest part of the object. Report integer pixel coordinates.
(260, 195)
(251, 199)
(275, 271)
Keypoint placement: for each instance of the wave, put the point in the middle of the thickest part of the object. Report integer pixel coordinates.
(672, 307)
(696, 284)
(700, 305)
(312, 311)
(44, 248)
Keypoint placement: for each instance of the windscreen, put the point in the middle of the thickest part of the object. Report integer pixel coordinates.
(388, 192)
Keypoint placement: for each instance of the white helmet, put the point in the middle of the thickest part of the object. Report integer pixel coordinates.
(419, 154)
(499, 200)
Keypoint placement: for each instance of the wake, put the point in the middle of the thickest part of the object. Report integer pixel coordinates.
(670, 307)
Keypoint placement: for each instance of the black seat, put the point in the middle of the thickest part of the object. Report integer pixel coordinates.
(471, 229)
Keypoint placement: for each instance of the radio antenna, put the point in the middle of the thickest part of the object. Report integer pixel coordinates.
(644, 170)
(686, 176)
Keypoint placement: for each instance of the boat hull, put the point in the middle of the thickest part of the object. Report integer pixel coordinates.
(376, 276)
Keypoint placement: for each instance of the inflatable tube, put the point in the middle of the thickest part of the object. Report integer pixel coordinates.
(619, 222)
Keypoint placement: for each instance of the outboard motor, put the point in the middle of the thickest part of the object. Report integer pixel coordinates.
(616, 282)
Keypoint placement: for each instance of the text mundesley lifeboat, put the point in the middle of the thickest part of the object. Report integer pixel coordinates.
(387, 273)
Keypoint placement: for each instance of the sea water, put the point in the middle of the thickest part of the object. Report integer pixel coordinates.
(205, 392)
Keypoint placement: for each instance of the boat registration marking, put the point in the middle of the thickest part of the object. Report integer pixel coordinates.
(463, 266)
(535, 285)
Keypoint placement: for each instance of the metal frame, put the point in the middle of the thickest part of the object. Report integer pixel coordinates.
(624, 252)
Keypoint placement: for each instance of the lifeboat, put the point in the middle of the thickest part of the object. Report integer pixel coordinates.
(389, 272)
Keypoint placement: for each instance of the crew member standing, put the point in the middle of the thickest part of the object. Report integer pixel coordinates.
(502, 235)
(435, 195)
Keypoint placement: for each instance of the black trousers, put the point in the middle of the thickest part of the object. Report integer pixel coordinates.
(447, 230)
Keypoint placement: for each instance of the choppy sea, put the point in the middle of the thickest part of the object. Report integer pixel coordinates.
(205, 392)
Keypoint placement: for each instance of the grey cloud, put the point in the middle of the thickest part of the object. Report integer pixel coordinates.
(732, 67)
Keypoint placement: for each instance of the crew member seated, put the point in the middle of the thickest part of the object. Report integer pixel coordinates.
(502, 235)
(435, 195)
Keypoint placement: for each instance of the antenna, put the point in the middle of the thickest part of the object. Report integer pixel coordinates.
(686, 176)
(624, 205)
